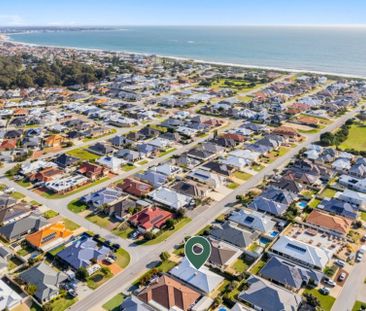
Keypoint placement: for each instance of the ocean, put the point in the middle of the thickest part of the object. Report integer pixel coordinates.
(322, 49)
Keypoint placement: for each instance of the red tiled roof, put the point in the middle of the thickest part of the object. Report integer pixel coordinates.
(151, 217)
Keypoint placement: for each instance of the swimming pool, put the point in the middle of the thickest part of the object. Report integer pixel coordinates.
(302, 204)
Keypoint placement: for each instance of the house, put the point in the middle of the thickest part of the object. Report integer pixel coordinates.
(146, 150)
(286, 131)
(246, 154)
(153, 178)
(288, 274)
(167, 293)
(268, 206)
(353, 183)
(14, 213)
(291, 185)
(101, 149)
(102, 197)
(190, 188)
(341, 165)
(135, 187)
(167, 169)
(49, 237)
(132, 303)
(233, 234)
(46, 280)
(171, 198)
(300, 252)
(113, 164)
(354, 198)
(235, 162)
(67, 183)
(64, 160)
(54, 141)
(16, 230)
(8, 144)
(9, 297)
(200, 154)
(263, 295)
(206, 177)
(160, 143)
(119, 141)
(47, 174)
(326, 222)
(150, 218)
(149, 132)
(222, 254)
(92, 170)
(225, 169)
(128, 155)
(253, 220)
(187, 162)
(339, 207)
(83, 252)
(120, 209)
(203, 279)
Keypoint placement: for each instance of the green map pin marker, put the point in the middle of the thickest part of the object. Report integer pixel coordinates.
(197, 250)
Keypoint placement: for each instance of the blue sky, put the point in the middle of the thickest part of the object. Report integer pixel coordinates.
(182, 12)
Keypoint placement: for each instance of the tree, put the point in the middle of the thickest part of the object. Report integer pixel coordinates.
(31, 289)
(169, 224)
(312, 300)
(149, 235)
(82, 273)
(164, 256)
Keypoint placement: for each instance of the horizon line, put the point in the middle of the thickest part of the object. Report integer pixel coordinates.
(194, 25)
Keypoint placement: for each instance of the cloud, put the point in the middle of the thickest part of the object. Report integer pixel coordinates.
(11, 20)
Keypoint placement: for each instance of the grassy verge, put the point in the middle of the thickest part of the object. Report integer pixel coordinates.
(114, 303)
(242, 175)
(128, 167)
(17, 195)
(166, 152)
(123, 258)
(101, 221)
(358, 305)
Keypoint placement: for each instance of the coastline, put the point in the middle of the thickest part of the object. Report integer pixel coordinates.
(6, 38)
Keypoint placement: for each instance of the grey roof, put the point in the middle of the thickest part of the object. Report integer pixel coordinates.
(253, 220)
(268, 297)
(153, 178)
(22, 226)
(132, 303)
(222, 253)
(102, 197)
(302, 252)
(289, 274)
(279, 195)
(82, 252)
(233, 234)
(339, 207)
(203, 278)
(266, 205)
(45, 278)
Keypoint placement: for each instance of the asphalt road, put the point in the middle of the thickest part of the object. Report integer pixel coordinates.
(203, 217)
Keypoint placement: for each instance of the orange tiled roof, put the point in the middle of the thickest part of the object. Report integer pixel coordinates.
(330, 222)
(54, 139)
(170, 293)
(48, 234)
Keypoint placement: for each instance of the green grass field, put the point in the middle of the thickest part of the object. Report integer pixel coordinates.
(357, 306)
(77, 206)
(83, 154)
(356, 138)
(242, 175)
(114, 303)
(326, 301)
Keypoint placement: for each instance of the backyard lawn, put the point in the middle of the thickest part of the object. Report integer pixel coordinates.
(328, 193)
(83, 154)
(314, 203)
(356, 138)
(363, 216)
(114, 303)
(326, 301)
(77, 206)
(258, 266)
(240, 265)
